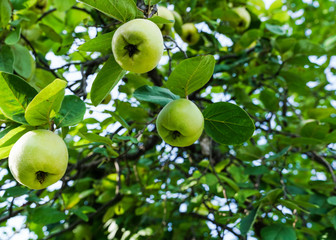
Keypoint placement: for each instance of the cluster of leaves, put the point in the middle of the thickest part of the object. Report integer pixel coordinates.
(123, 182)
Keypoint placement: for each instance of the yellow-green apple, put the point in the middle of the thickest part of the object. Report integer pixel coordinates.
(190, 34)
(137, 45)
(38, 159)
(166, 14)
(180, 123)
(245, 18)
(178, 22)
(82, 232)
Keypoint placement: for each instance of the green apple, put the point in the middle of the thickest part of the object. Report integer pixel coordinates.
(190, 34)
(245, 18)
(137, 45)
(166, 14)
(178, 22)
(38, 159)
(107, 99)
(180, 123)
(82, 232)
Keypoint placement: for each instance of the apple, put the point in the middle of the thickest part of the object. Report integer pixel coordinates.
(166, 14)
(82, 232)
(38, 159)
(137, 45)
(190, 34)
(178, 22)
(245, 18)
(107, 99)
(180, 123)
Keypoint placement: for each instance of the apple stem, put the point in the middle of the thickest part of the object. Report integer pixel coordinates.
(41, 176)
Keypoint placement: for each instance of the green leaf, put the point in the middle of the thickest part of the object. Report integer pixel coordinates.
(102, 43)
(6, 59)
(227, 123)
(191, 74)
(314, 130)
(107, 78)
(247, 222)
(278, 232)
(160, 20)
(295, 82)
(257, 170)
(155, 94)
(23, 61)
(230, 182)
(7, 141)
(269, 99)
(46, 103)
(45, 215)
(276, 29)
(121, 10)
(14, 36)
(51, 33)
(332, 200)
(71, 112)
(16, 191)
(15, 96)
(92, 137)
(307, 47)
(62, 5)
(5, 12)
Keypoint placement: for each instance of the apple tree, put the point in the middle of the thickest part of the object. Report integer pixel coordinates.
(199, 119)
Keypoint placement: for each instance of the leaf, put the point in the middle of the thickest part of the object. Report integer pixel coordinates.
(332, 200)
(6, 59)
(101, 43)
(51, 33)
(278, 231)
(71, 112)
(23, 61)
(46, 103)
(247, 222)
(160, 20)
(230, 182)
(307, 47)
(15, 96)
(7, 141)
(227, 123)
(269, 100)
(45, 215)
(16, 191)
(63, 6)
(5, 12)
(107, 78)
(256, 170)
(276, 29)
(121, 10)
(155, 94)
(191, 74)
(14, 36)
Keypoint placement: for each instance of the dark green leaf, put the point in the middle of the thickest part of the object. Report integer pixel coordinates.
(50, 33)
(107, 78)
(247, 222)
(15, 96)
(155, 94)
(71, 113)
(16, 191)
(269, 99)
(6, 59)
(332, 200)
(191, 74)
(227, 123)
(278, 231)
(307, 47)
(45, 215)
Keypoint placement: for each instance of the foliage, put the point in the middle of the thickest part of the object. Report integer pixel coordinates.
(272, 80)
